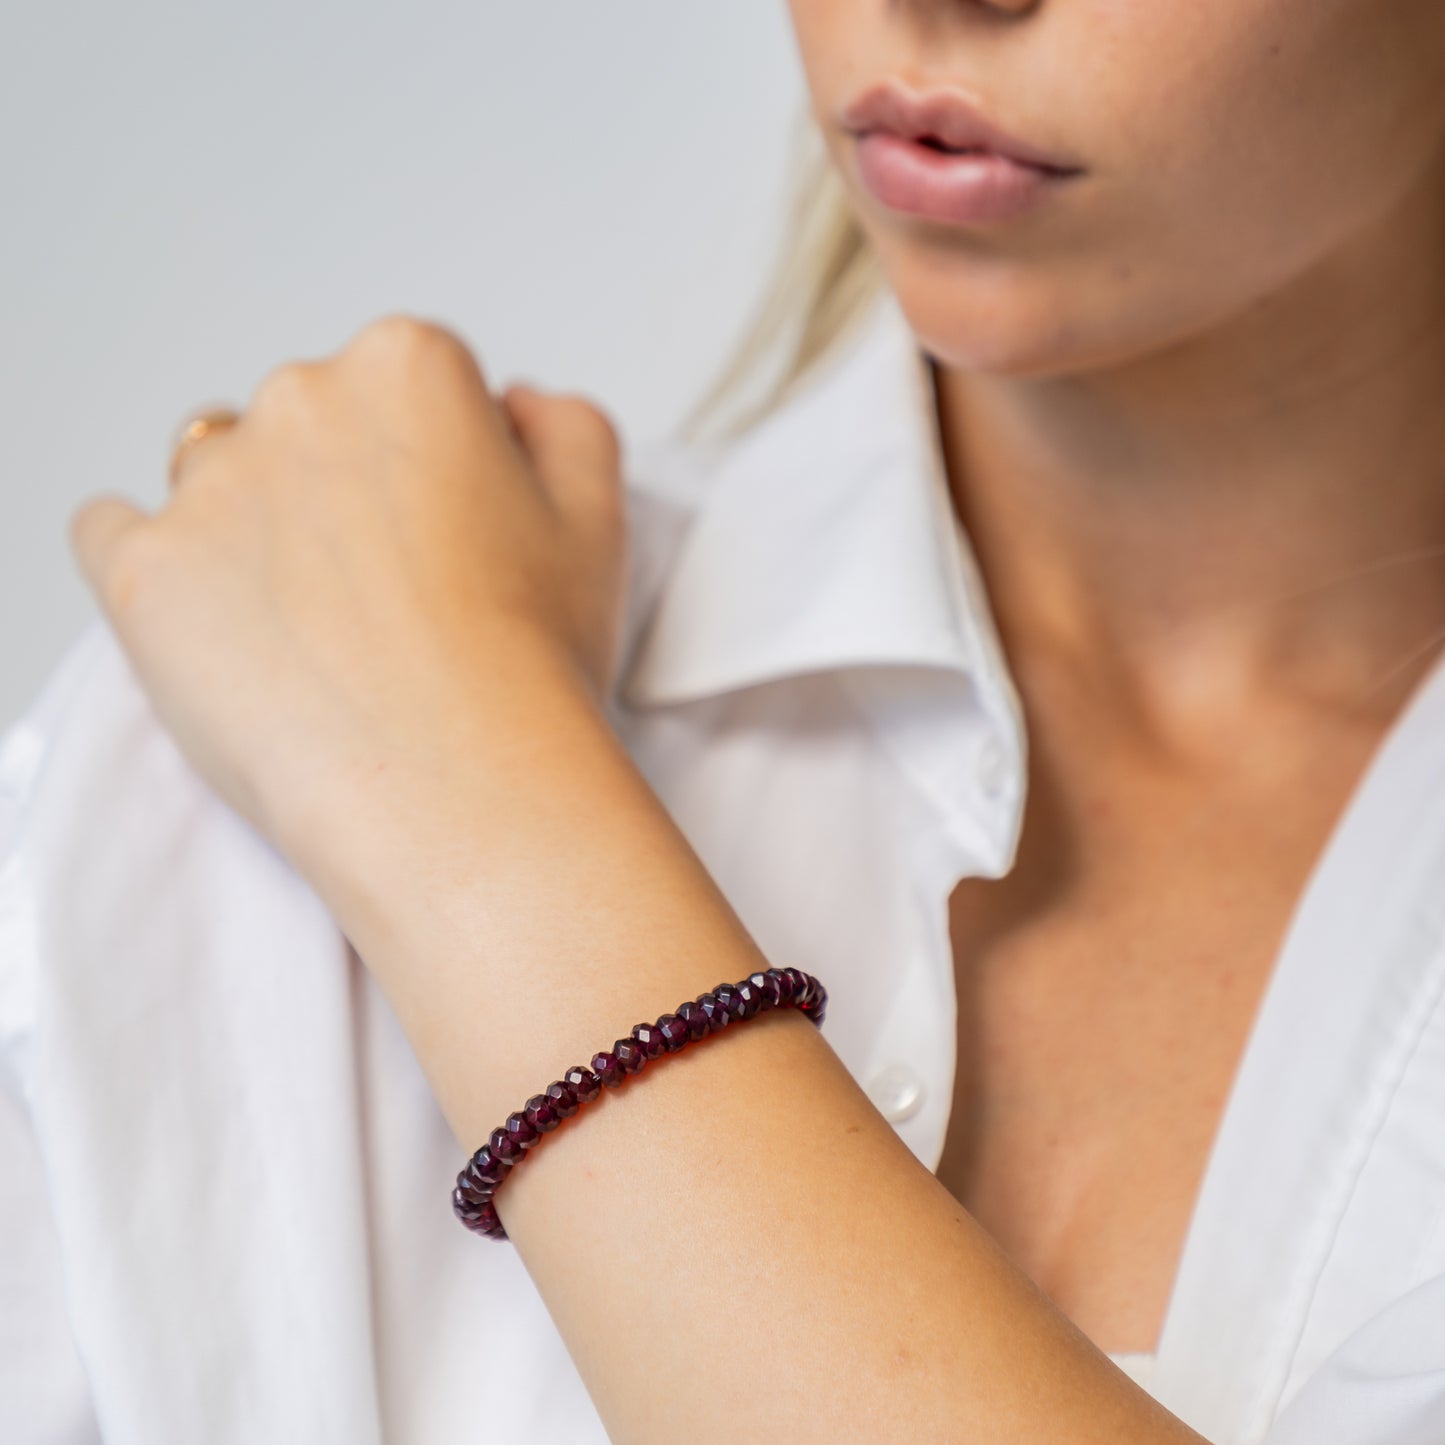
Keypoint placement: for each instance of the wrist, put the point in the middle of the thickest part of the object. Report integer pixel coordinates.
(463, 734)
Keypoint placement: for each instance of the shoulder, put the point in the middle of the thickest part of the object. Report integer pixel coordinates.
(86, 667)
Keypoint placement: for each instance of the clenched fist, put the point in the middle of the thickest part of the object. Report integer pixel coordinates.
(350, 569)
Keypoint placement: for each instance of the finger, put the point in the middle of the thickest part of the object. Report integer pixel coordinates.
(95, 532)
(196, 429)
(572, 444)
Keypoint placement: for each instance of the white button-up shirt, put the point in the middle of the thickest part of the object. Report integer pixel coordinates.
(224, 1200)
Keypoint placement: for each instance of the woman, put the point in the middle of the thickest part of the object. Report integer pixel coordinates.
(1125, 499)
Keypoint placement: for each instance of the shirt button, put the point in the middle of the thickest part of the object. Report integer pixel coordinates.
(991, 766)
(896, 1091)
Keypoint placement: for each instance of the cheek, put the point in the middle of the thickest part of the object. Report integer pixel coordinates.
(1231, 146)
(1287, 123)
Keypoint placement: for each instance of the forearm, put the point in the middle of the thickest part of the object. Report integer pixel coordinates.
(734, 1240)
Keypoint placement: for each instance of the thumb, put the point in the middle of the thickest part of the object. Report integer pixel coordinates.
(571, 443)
(95, 532)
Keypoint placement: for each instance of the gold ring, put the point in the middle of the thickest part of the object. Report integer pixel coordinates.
(193, 431)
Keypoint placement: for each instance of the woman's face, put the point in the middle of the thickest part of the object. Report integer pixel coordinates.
(1228, 147)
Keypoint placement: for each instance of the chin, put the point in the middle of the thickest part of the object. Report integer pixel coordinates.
(993, 319)
(993, 328)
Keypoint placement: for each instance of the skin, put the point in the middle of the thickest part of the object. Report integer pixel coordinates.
(1212, 534)
(378, 613)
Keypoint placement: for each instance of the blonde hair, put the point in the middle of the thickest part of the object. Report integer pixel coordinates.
(822, 280)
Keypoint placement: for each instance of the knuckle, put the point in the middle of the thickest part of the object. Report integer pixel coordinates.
(289, 387)
(402, 337)
(391, 332)
(589, 431)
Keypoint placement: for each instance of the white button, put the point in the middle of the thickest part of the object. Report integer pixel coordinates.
(897, 1091)
(991, 765)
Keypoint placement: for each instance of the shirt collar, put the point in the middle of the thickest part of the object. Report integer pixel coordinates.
(826, 538)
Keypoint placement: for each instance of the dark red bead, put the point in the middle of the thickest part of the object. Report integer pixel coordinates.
(583, 1082)
(607, 1068)
(540, 1114)
(473, 1191)
(713, 1010)
(486, 1167)
(650, 1037)
(563, 1098)
(767, 984)
(727, 995)
(630, 1054)
(521, 1129)
(674, 1030)
(489, 1219)
(787, 985)
(747, 1000)
(504, 1146)
(695, 1019)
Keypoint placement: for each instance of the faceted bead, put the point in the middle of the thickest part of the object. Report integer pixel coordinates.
(802, 988)
(607, 1068)
(475, 1194)
(471, 1191)
(504, 1146)
(713, 1010)
(695, 1019)
(767, 982)
(489, 1219)
(486, 1167)
(522, 1130)
(630, 1054)
(541, 1114)
(563, 1097)
(650, 1037)
(787, 986)
(749, 999)
(583, 1082)
(674, 1031)
(727, 995)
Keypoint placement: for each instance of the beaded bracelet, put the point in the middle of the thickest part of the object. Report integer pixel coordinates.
(709, 1013)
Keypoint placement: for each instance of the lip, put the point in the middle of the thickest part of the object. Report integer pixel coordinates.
(959, 190)
(998, 176)
(946, 116)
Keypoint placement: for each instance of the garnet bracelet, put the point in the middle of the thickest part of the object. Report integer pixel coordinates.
(709, 1013)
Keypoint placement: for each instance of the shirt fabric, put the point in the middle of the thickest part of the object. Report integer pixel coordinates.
(225, 1191)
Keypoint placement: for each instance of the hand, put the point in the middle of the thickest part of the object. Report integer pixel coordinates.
(341, 575)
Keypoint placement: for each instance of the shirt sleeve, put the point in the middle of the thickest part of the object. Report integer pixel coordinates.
(44, 1396)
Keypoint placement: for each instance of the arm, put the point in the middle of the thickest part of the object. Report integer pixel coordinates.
(380, 628)
(736, 1239)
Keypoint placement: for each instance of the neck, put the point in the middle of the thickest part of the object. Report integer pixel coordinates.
(1258, 507)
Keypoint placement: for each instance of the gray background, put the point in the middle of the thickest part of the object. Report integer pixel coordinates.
(192, 193)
